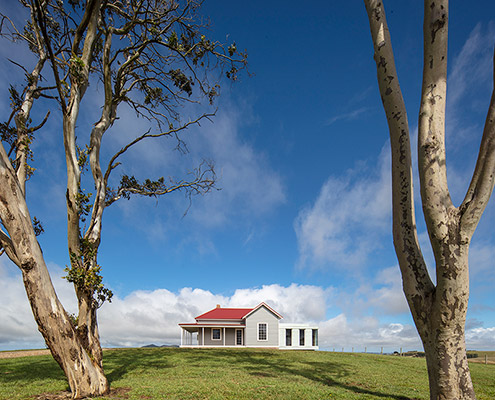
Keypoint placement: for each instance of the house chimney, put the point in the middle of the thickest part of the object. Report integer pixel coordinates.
(218, 305)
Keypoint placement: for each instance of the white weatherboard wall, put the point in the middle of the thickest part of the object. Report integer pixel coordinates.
(295, 330)
(261, 315)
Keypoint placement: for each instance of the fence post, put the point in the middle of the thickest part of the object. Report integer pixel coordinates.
(381, 351)
(486, 359)
(365, 349)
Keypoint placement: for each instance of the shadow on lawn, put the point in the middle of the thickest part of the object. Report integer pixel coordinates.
(23, 369)
(267, 364)
(117, 363)
(259, 363)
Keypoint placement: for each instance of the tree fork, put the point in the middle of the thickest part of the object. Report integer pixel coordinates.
(439, 311)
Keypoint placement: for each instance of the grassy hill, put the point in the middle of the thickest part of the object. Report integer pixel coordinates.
(170, 373)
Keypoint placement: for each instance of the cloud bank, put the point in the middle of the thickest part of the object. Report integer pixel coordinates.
(340, 229)
(145, 317)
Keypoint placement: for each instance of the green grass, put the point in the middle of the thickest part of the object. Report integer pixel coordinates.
(167, 373)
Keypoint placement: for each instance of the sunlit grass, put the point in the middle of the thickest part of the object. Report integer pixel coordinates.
(168, 373)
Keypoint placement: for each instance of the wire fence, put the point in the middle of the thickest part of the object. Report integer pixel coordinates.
(377, 350)
(480, 357)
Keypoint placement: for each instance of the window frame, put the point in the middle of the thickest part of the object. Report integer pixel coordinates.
(220, 333)
(302, 337)
(288, 337)
(236, 337)
(314, 337)
(258, 331)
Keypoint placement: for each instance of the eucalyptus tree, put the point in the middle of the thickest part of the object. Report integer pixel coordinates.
(439, 310)
(153, 56)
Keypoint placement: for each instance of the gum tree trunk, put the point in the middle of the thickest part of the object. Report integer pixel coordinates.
(442, 332)
(439, 311)
(85, 377)
(133, 73)
(87, 326)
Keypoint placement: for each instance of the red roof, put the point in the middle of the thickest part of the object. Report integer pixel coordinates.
(219, 313)
(225, 313)
(206, 324)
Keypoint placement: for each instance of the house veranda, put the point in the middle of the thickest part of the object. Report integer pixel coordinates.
(247, 327)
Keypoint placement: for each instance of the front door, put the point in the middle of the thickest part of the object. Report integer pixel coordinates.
(238, 337)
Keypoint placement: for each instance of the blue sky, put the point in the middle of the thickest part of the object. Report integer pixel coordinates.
(303, 219)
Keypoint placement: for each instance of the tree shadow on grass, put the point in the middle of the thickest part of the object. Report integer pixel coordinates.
(118, 363)
(270, 364)
(264, 364)
(25, 369)
(319, 373)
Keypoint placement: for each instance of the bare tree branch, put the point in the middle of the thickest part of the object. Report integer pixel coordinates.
(40, 19)
(22, 115)
(174, 131)
(8, 247)
(203, 180)
(41, 124)
(483, 180)
(437, 204)
(416, 280)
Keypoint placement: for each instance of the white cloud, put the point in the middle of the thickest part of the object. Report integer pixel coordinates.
(249, 185)
(296, 303)
(153, 317)
(380, 296)
(17, 326)
(481, 262)
(146, 317)
(348, 116)
(367, 332)
(342, 226)
(481, 338)
(467, 74)
(16, 316)
(468, 95)
(389, 297)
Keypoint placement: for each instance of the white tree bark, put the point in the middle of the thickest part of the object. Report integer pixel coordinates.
(84, 377)
(156, 43)
(439, 312)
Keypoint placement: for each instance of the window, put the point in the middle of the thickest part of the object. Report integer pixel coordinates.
(238, 335)
(262, 331)
(315, 337)
(215, 334)
(301, 337)
(288, 337)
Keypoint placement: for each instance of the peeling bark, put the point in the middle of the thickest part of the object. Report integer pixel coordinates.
(439, 312)
(153, 38)
(83, 371)
(85, 378)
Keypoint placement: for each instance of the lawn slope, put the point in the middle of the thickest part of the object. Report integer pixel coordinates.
(171, 373)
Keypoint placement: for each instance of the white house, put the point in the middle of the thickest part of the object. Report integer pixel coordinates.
(247, 327)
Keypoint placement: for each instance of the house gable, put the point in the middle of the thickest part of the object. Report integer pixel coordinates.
(266, 316)
(255, 309)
